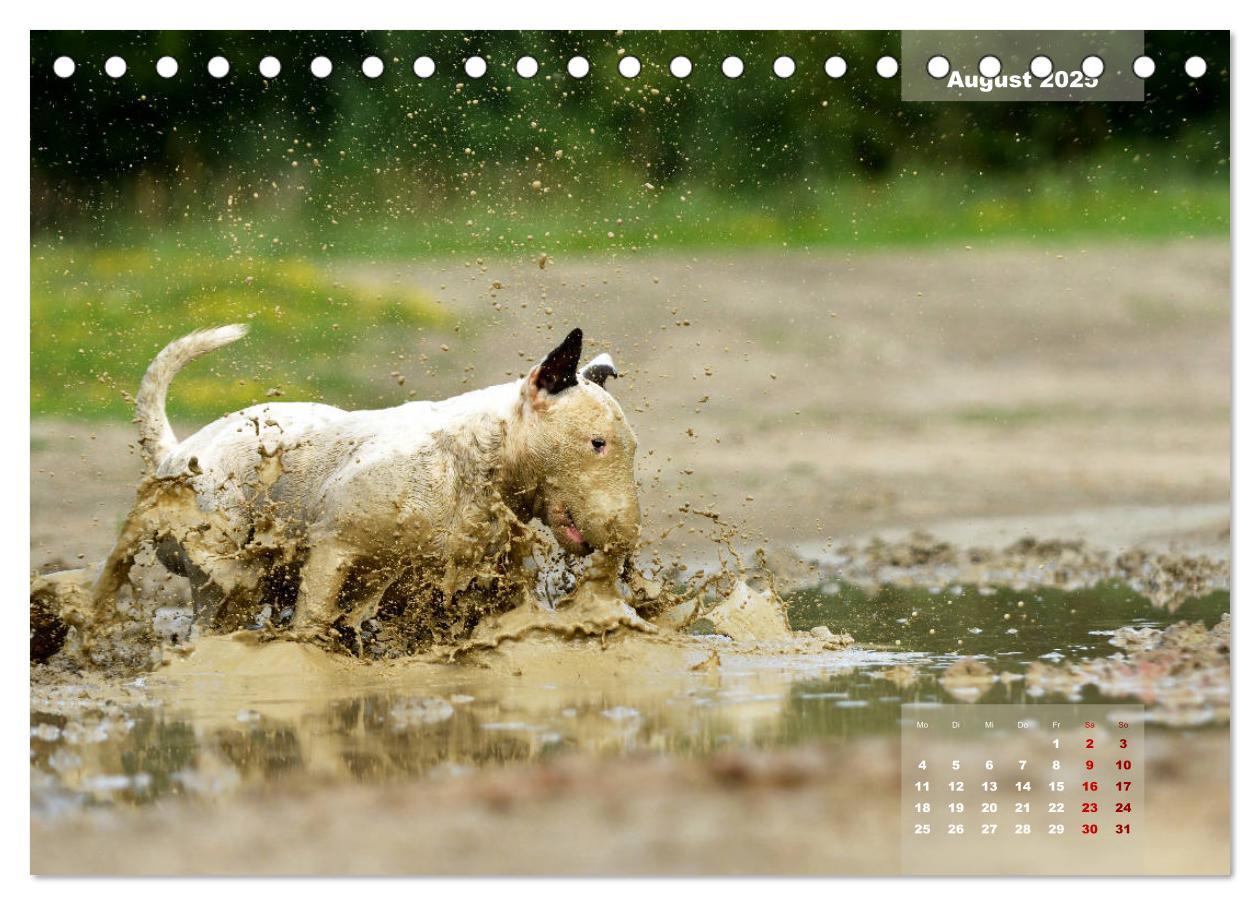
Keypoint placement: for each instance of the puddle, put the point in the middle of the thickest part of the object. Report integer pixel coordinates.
(196, 729)
(1008, 629)
(980, 644)
(237, 715)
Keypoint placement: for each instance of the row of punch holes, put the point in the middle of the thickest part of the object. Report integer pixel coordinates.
(938, 67)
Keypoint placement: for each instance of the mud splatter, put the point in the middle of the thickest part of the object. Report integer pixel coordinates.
(748, 615)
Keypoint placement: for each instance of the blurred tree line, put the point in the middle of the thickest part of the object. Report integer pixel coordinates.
(169, 149)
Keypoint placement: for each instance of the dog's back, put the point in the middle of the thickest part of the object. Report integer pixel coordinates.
(294, 454)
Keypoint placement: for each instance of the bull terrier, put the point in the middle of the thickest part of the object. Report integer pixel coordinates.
(345, 503)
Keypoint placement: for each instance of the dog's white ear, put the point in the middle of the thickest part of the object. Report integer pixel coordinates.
(600, 368)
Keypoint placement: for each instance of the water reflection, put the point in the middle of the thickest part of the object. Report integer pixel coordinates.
(224, 734)
(1004, 626)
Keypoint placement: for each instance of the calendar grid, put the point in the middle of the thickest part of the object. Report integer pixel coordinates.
(1019, 789)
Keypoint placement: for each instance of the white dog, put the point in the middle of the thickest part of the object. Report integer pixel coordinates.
(340, 505)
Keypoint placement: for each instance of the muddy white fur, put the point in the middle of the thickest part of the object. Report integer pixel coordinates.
(346, 504)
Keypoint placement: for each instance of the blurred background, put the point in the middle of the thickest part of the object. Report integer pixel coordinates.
(805, 279)
(204, 174)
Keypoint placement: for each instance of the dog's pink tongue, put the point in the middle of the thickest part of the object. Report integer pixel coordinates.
(573, 534)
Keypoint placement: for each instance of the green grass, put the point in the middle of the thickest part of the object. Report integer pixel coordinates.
(106, 297)
(1102, 199)
(99, 315)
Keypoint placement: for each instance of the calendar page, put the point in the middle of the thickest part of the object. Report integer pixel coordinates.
(642, 452)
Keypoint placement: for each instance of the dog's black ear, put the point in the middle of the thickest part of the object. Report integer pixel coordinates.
(558, 371)
(600, 368)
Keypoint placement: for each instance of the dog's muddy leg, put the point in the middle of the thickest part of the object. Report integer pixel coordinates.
(209, 599)
(206, 596)
(323, 576)
(116, 568)
(171, 555)
(157, 509)
(222, 584)
(362, 595)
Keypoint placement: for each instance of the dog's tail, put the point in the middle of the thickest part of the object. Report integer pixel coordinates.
(156, 437)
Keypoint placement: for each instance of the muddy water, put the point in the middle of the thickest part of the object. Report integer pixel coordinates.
(1007, 629)
(234, 714)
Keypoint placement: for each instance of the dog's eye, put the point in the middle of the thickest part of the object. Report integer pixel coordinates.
(598, 443)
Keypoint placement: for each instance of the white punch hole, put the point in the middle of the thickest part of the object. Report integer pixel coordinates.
(835, 67)
(990, 66)
(680, 67)
(527, 67)
(269, 67)
(1093, 66)
(784, 67)
(373, 67)
(1144, 67)
(1041, 66)
(629, 67)
(63, 67)
(579, 67)
(887, 67)
(732, 67)
(115, 67)
(424, 67)
(475, 67)
(1196, 67)
(218, 67)
(321, 67)
(938, 67)
(167, 67)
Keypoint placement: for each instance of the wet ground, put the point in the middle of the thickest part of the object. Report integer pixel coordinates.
(231, 722)
(985, 398)
(234, 716)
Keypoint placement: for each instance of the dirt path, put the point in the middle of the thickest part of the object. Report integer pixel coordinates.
(823, 395)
